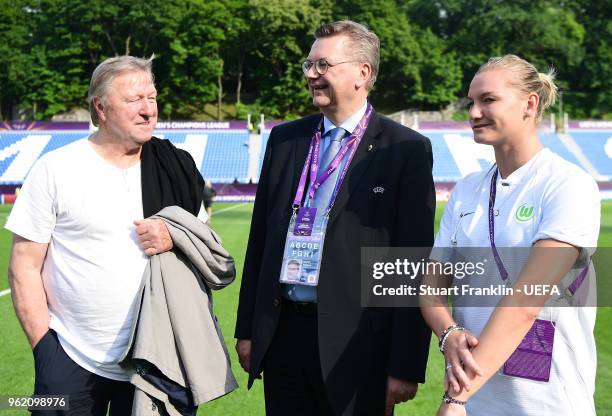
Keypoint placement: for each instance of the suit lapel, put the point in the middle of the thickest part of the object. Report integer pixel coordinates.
(358, 166)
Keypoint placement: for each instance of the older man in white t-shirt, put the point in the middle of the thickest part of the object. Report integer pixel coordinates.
(81, 245)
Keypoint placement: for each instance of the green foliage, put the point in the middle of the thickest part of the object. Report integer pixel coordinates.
(193, 61)
(14, 59)
(281, 37)
(590, 93)
(255, 110)
(440, 73)
(252, 49)
(400, 53)
(461, 115)
(535, 30)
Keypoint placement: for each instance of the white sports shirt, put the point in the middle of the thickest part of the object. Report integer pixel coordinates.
(566, 207)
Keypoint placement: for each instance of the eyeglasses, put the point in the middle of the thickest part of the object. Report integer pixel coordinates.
(321, 65)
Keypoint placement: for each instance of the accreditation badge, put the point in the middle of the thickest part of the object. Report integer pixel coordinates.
(532, 359)
(303, 251)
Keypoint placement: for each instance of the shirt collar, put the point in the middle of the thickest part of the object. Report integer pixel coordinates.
(521, 173)
(349, 124)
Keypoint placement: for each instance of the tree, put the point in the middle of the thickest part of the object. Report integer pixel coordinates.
(191, 62)
(69, 39)
(541, 31)
(238, 43)
(281, 36)
(14, 52)
(205, 48)
(415, 69)
(440, 73)
(590, 84)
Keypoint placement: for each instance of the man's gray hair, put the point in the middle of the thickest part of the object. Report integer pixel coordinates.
(365, 44)
(108, 70)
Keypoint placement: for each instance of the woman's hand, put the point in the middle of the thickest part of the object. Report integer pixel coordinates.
(459, 359)
(451, 409)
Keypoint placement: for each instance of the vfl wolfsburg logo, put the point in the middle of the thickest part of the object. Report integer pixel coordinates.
(524, 213)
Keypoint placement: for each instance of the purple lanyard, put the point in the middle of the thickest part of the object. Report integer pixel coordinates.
(575, 285)
(572, 288)
(500, 265)
(313, 155)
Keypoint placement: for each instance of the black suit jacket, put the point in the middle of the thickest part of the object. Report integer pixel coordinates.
(351, 338)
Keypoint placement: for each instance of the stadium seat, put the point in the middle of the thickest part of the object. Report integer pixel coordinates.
(597, 147)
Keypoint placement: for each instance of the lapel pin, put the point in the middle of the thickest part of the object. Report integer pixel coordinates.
(370, 148)
(378, 190)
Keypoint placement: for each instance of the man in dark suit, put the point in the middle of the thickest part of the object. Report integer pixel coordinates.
(320, 351)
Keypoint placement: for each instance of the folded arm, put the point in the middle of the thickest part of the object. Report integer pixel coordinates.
(514, 315)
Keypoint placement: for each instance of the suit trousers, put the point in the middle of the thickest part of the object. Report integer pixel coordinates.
(293, 381)
(88, 394)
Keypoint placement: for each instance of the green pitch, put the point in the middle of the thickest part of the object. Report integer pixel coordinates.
(232, 222)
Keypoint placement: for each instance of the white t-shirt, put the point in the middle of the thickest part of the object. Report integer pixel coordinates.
(84, 207)
(547, 198)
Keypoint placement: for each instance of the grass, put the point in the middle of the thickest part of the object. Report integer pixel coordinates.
(232, 222)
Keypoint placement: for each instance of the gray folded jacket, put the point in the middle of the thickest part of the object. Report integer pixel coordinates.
(176, 338)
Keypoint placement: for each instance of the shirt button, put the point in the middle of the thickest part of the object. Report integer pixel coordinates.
(276, 303)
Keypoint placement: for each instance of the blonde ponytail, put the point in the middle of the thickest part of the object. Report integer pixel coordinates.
(548, 90)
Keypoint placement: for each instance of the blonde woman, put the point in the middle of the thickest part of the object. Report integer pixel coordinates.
(530, 198)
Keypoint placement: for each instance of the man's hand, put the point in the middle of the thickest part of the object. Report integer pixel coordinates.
(243, 348)
(154, 236)
(398, 391)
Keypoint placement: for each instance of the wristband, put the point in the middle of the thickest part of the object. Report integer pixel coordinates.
(451, 400)
(445, 335)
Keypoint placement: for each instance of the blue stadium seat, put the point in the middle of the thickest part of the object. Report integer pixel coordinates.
(444, 167)
(552, 141)
(226, 153)
(223, 155)
(226, 157)
(8, 138)
(264, 142)
(31, 144)
(597, 147)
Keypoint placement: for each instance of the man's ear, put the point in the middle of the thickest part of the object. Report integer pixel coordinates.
(365, 73)
(99, 108)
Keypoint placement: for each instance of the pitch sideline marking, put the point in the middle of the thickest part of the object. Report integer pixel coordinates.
(229, 208)
(5, 292)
